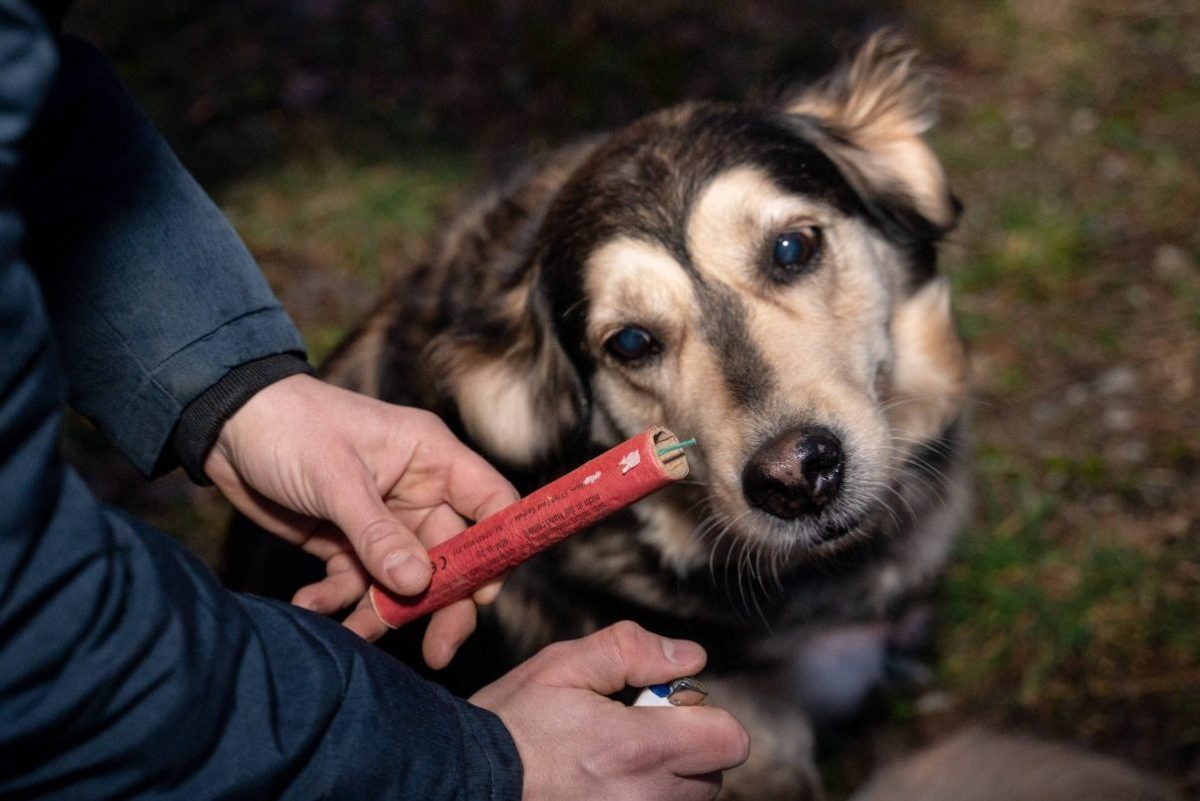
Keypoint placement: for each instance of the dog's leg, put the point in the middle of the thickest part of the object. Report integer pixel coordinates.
(781, 764)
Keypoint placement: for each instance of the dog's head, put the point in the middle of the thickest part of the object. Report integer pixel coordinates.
(761, 278)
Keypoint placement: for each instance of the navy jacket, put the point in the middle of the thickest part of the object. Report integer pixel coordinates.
(125, 669)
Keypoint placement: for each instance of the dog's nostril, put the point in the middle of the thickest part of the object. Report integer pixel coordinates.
(821, 461)
(795, 474)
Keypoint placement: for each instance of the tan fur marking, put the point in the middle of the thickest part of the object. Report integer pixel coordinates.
(497, 404)
(929, 378)
(630, 282)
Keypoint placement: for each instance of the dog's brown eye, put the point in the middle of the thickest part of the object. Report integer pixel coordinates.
(632, 344)
(795, 250)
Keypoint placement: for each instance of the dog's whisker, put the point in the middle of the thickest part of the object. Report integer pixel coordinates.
(881, 487)
(571, 308)
(938, 446)
(921, 474)
(917, 479)
(927, 472)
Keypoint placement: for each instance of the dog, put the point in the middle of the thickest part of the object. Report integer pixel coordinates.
(762, 277)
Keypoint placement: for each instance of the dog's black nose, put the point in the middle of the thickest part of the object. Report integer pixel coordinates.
(795, 474)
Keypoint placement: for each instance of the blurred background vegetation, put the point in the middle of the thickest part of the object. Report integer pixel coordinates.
(336, 135)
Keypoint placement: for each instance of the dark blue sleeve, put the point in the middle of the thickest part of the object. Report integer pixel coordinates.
(126, 671)
(151, 293)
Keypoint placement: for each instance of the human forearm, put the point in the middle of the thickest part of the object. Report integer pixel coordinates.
(152, 295)
(129, 671)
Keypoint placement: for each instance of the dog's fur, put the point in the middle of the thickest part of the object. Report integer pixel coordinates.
(668, 225)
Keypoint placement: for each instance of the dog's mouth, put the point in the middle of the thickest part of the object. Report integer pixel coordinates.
(798, 539)
(838, 530)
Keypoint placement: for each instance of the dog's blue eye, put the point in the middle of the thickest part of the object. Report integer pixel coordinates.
(796, 249)
(631, 344)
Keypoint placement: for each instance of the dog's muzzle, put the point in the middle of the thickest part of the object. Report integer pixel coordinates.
(796, 474)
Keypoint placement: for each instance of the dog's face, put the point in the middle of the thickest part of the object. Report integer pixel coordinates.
(761, 279)
(765, 330)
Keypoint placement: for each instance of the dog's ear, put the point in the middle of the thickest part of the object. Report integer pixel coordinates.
(516, 392)
(872, 113)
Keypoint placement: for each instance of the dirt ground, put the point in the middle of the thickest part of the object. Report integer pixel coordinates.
(336, 134)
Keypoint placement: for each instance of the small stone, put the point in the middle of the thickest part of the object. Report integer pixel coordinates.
(1117, 418)
(1083, 121)
(1113, 167)
(1171, 262)
(1132, 451)
(1120, 380)
(1137, 296)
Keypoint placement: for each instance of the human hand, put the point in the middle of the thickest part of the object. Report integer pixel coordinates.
(364, 485)
(577, 744)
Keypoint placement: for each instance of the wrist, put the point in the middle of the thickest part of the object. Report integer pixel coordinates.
(204, 421)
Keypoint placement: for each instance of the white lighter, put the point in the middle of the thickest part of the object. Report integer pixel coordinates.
(687, 691)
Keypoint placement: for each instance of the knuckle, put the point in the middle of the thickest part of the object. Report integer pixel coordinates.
(627, 755)
(378, 533)
(552, 654)
(424, 418)
(623, 639)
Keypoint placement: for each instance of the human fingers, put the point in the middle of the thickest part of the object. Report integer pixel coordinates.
(619, 655)
(448, 630)
(364, 622)
(440, 524)
(450, 626)
(488, 593)
(346, 582)
(284, 523)
(473, 487)
(698, 740)
(698, 788)
(388, 549)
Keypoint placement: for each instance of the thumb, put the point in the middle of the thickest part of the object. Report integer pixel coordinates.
(390, 551)
(622, 654)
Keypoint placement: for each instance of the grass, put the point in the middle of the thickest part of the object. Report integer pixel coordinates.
(328, 230)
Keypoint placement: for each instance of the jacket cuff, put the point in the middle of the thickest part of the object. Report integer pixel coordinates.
(497, 773)
(200, 423)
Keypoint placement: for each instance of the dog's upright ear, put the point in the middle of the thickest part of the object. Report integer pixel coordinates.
(872, 113)
(517, 394)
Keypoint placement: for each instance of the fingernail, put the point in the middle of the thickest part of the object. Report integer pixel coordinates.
(306, 603)
(408, 573)
(682, 652)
